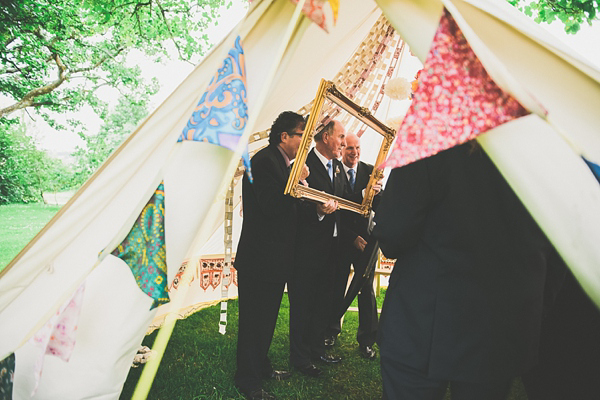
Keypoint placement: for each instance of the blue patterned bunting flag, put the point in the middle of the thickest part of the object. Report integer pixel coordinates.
(144, 249)
(222, 112)
(594, 167)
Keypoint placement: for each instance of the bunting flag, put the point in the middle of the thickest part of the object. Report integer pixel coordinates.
(7, 377)
(455, 100)
(57, 336)
(144, 249)
(222, 112)
(313, 9)
(594, 167)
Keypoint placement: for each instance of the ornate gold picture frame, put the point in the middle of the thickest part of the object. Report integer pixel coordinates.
(328, 91)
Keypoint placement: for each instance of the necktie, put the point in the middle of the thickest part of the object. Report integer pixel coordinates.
(352, 177)
(330, 170)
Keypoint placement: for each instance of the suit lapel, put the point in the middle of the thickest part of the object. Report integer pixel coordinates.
(340, 178)
(362, 177)
(320, 171)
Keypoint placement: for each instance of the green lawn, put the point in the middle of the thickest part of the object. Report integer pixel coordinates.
(19, 223)
(199, 363)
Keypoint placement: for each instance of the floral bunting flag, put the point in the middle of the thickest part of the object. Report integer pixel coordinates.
(222, 112)
(313, 9)
(57, 336)
(7, 377)
(144, 249)
(455, 100)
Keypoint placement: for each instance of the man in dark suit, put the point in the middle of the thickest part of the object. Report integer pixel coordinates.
(265, 253)
(464, 302)
(355, 226)
(317, 252)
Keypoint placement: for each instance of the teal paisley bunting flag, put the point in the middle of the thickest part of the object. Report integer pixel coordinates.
(144, 249)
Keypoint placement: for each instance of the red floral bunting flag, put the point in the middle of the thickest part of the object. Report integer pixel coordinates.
(455, 100)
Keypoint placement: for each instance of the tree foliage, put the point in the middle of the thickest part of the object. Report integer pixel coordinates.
(117, 125)
(55, 54)
(25, 171)
(572, 13)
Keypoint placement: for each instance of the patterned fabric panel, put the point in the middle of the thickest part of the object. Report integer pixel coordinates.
(222, 112)
(144, 249)
(455, 100)
(7, 377)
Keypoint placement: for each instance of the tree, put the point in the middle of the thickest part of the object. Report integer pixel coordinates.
(55, 54)
(572, 13)
(118, 124)
(21, 166)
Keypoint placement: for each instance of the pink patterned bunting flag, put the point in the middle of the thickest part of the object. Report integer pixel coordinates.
(57, 336)
(455, 101)
(313, 9)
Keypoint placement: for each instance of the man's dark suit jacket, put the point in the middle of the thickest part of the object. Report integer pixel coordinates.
(314, 236)
(464, 300)
(267, 241)
(355, 224)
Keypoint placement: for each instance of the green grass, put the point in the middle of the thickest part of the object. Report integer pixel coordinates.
(19, 223)
(199, 363)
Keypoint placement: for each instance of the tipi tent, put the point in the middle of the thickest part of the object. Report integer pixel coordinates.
(59, 279)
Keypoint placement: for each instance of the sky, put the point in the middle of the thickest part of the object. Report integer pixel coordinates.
(62, 143)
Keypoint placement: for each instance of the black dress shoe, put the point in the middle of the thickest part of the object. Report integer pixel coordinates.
(278, 375)
(329, 359)
(310, 370)
(367, 352)
(329, 341)
(259, 394)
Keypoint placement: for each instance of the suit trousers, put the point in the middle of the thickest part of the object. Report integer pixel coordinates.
(309, 291)
(258, 308)
(367, 304)
(401, 382)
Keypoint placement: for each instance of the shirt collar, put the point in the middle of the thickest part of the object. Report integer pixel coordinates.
(321, 157)
(285, 156)
(346, 169)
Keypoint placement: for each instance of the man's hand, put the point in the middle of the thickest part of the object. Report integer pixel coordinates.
(327, 208)
(360, 243)
(377, 186)
(305, 173)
